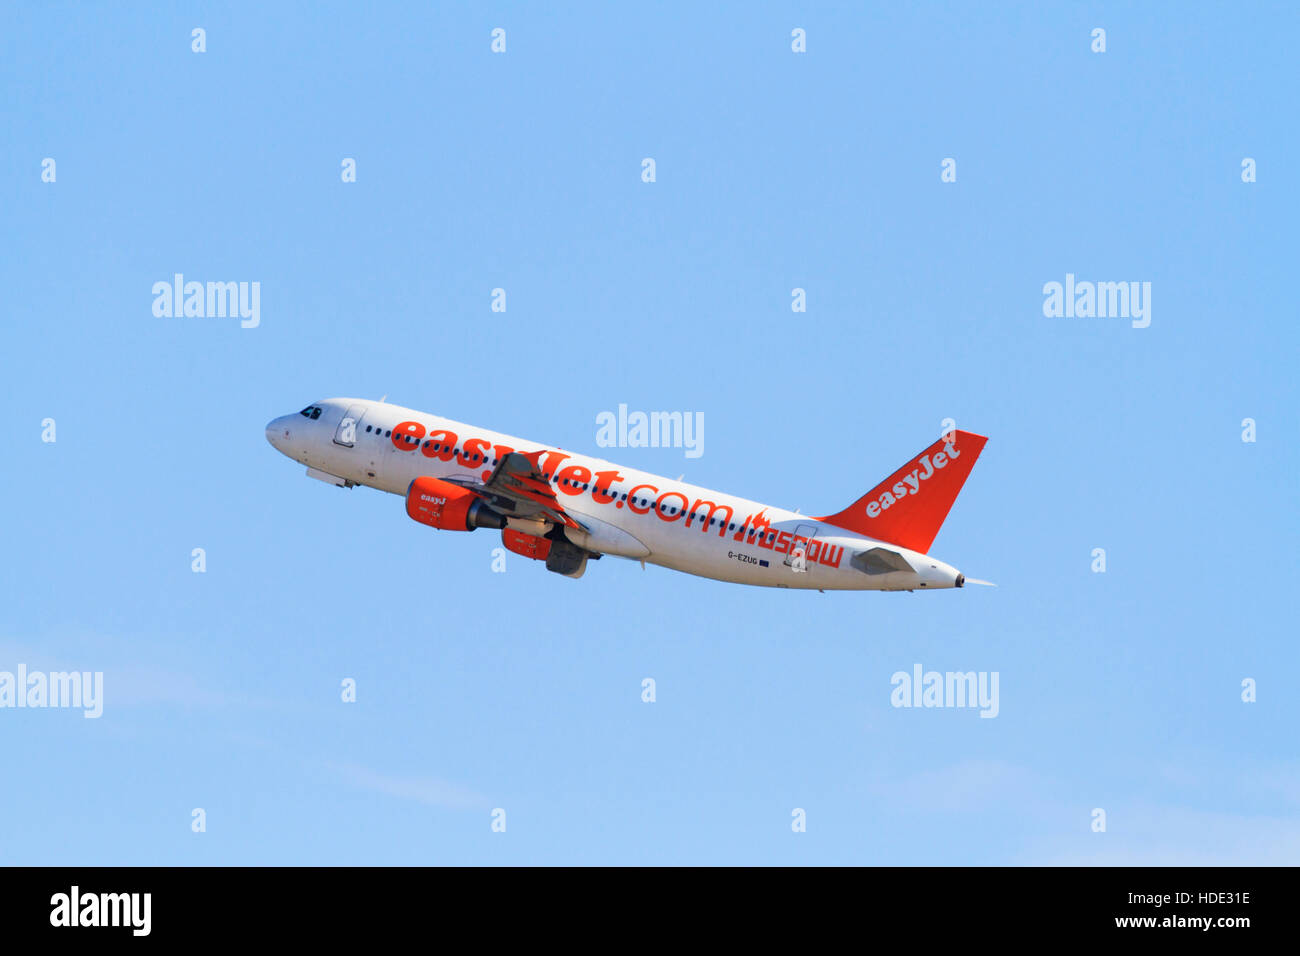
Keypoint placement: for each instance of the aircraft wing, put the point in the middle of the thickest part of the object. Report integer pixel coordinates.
(518, 489)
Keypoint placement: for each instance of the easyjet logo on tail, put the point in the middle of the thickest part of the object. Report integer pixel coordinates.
(911, 483)
(909, 507)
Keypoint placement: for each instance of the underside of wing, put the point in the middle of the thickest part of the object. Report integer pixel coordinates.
(517, 488)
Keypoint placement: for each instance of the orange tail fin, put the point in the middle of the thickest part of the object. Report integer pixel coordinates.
(909, 507)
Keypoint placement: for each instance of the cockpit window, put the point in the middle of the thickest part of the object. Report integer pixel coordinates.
(315, 413)
(311, 411)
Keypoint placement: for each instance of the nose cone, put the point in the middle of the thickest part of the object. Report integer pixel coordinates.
(277, 432)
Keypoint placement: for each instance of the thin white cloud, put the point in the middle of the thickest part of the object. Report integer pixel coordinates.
(127, 681)
(1154, 835)
(427, 790)
(968, 785)
(1142, 828)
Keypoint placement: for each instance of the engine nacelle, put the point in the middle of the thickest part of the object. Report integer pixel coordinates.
(560, 555)
(529, 545)
(441, 504)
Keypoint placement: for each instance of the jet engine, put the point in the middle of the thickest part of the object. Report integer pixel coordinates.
(441, 504)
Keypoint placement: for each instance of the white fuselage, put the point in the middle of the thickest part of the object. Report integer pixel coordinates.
(627, 512)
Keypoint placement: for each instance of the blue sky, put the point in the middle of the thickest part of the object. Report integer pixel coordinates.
(774, 171)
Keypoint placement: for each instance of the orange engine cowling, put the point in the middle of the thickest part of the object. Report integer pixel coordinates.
(440, 504)
(529, 545)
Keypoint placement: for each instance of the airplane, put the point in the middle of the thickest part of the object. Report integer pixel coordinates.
(564, 509)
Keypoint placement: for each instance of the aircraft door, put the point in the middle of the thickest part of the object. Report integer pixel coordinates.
(346, 433)
(796, 557)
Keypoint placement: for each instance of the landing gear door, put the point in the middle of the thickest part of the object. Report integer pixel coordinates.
(346, 433)
(796, 558)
